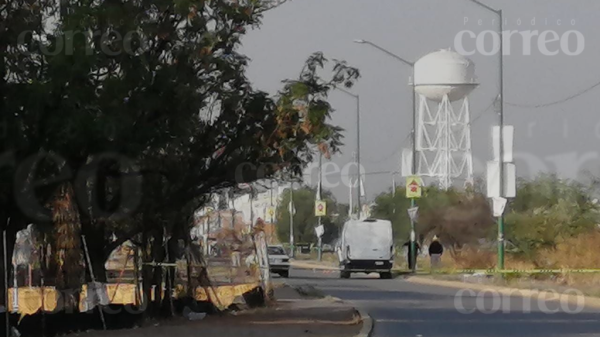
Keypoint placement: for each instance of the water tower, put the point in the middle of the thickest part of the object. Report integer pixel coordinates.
(443, 80)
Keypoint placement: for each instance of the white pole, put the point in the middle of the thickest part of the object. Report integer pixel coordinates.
(6, 313)
(394, 192)
(89, 262)
(350, 198)
(319, 218)
(291, 210)
(251, 207)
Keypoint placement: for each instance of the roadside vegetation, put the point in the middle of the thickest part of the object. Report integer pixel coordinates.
(551, 224)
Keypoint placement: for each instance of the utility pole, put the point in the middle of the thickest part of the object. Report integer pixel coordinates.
(207, 234)
(501, 131)
(319, 198)
(231, 197)
(413, 202)
(251, 207)
(291, 210)
(357, 99)
(358, 155)
(218, 208)
(501, 139)
(394, 191)
(272, 214)
(501, 127)
(6, 271)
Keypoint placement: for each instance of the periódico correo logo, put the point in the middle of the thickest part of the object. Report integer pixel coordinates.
(548, 42)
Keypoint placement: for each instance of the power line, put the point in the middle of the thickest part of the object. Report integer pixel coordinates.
(568, 98)
(376, 173)
(398, 149)
(484, 111)
(354, 174)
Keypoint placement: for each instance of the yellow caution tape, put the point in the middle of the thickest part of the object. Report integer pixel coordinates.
(507, 271)
(524, 271)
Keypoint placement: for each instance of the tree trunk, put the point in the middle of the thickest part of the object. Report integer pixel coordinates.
(158, 254)
(170, 276)
(146, 274)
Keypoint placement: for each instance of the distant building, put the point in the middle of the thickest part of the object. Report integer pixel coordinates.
(208, 220)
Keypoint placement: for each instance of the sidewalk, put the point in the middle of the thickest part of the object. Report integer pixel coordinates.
(292, 315)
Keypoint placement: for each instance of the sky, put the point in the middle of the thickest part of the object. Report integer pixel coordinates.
(560, 138)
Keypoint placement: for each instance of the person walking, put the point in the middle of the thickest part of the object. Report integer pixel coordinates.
(435, 252)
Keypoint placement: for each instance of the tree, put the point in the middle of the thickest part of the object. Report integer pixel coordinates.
(144, 108)
(305, 220)
(394, 208)
(458, 218)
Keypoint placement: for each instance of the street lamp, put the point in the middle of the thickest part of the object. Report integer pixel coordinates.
(501, 136)
(413, 203)
(292, 211)
(357, 98)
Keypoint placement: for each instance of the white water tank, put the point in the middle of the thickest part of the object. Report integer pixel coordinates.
(444, 72)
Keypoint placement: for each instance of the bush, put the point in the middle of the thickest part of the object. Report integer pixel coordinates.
(547, 211)
(575, 253)
(472, 258)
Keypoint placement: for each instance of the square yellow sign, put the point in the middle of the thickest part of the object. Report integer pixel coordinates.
(320, 208)
(414, 187)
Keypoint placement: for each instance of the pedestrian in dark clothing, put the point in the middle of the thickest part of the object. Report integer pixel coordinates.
(409, 254)
(435, 252)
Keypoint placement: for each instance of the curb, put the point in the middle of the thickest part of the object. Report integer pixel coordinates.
(367, 321)
(302, 265)
(589, 302)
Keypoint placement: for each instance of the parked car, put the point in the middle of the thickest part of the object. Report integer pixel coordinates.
(279, 261)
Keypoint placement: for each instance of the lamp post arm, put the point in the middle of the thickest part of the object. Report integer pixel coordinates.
(485, 6)
(409, 63)
(347, 92)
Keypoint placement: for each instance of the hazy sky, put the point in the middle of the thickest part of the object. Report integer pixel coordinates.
(561, 138)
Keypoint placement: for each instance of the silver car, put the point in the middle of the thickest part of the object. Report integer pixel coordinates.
(279, 261)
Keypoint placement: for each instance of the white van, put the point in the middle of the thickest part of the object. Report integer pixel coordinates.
(366, 246)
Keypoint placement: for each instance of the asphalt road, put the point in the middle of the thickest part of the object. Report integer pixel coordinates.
(400, 308)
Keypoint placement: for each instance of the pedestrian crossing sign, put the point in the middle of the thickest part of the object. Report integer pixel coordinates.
(320, 208)
(414, 186)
